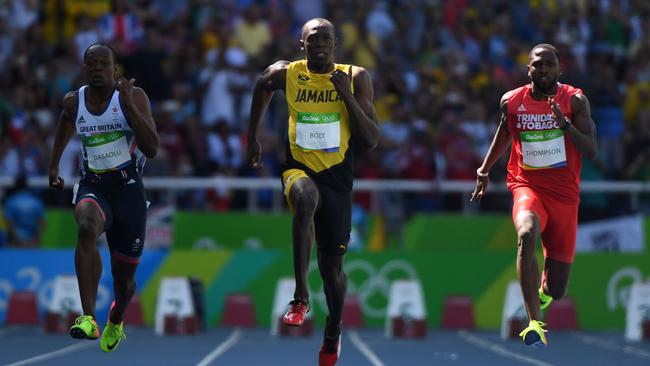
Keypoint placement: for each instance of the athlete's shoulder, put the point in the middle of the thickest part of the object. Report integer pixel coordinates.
(515, 92)
(571, 90)
(276, 68)
(70, 100)
(295, 64)
(139, 92)
(274, 75)
(357, 70)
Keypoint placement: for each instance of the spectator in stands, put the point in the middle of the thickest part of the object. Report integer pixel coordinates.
(227, 90)
(6, 44)
(225, 149)
(122, 27)
(86, 35)
(252, 34)
(204, 55)
(24, 214)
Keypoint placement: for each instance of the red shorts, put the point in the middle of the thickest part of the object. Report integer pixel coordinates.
(558, 222)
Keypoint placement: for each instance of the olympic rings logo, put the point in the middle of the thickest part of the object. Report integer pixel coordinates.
(329, 118)
(620, 286)
(367, 282)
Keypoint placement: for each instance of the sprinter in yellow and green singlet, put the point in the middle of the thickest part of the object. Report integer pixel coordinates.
(331, 121)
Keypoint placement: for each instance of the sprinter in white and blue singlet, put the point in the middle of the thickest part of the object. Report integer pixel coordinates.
(113, 119)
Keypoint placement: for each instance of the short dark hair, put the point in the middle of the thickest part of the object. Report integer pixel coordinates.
(99, 44)
(547, 46)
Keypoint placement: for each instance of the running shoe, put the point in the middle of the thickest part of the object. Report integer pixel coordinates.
(533, 335)
(85, 327)
(295, 316)
(544, 299)
(330, 351)
(112, 334)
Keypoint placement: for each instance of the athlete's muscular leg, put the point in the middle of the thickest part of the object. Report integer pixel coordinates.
(87, 262)
(527, 225)
(304, 198)
(555, 277)
(335, 284)
(123, 287)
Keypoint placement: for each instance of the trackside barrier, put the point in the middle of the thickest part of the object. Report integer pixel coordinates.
(352, 313)
(22, 308)
(172, 185)
(458, 313)
(514, 314)
(133, 312)
(406, 314)
(562, 315)
(64, 306)
(175, 307)
(637, 322)
(238, 311)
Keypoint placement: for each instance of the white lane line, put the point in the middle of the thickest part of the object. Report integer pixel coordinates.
(499, 349)
(363, 348)
(612, 346)
(235, 336)
(46, 356)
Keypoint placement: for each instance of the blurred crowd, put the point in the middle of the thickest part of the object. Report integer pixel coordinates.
(439, 68)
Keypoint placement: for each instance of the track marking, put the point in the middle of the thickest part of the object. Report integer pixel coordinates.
(363, 348)
(499, 349)
(235, 336)
(612, 346)
(60, 352)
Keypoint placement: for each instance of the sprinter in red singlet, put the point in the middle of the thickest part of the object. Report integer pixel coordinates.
(550, 127)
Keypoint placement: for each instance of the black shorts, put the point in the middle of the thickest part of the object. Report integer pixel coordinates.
(122, 203)
(333, 217)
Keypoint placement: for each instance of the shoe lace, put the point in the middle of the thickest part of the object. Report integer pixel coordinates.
(541, 324)
(115, 331)
(82, 318)
(536, 323)
(298, 306)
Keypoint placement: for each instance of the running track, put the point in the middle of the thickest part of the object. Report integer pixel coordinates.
(232, 346)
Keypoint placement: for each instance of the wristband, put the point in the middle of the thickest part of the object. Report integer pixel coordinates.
(482, 175)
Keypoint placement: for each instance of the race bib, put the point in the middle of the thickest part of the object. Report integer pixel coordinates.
(106, 150)
(318, 131)
(543, 149)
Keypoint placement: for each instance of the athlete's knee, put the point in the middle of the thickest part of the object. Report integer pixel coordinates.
(526, 233)
(305, 200)
(527, 230)
(89, 221)
(330, 266)
(88, 229)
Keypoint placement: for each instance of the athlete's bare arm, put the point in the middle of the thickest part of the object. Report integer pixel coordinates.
(363, 118)
(137, 110)
(272, 79)
(64, 132)
(583, 132)
(500, 142)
